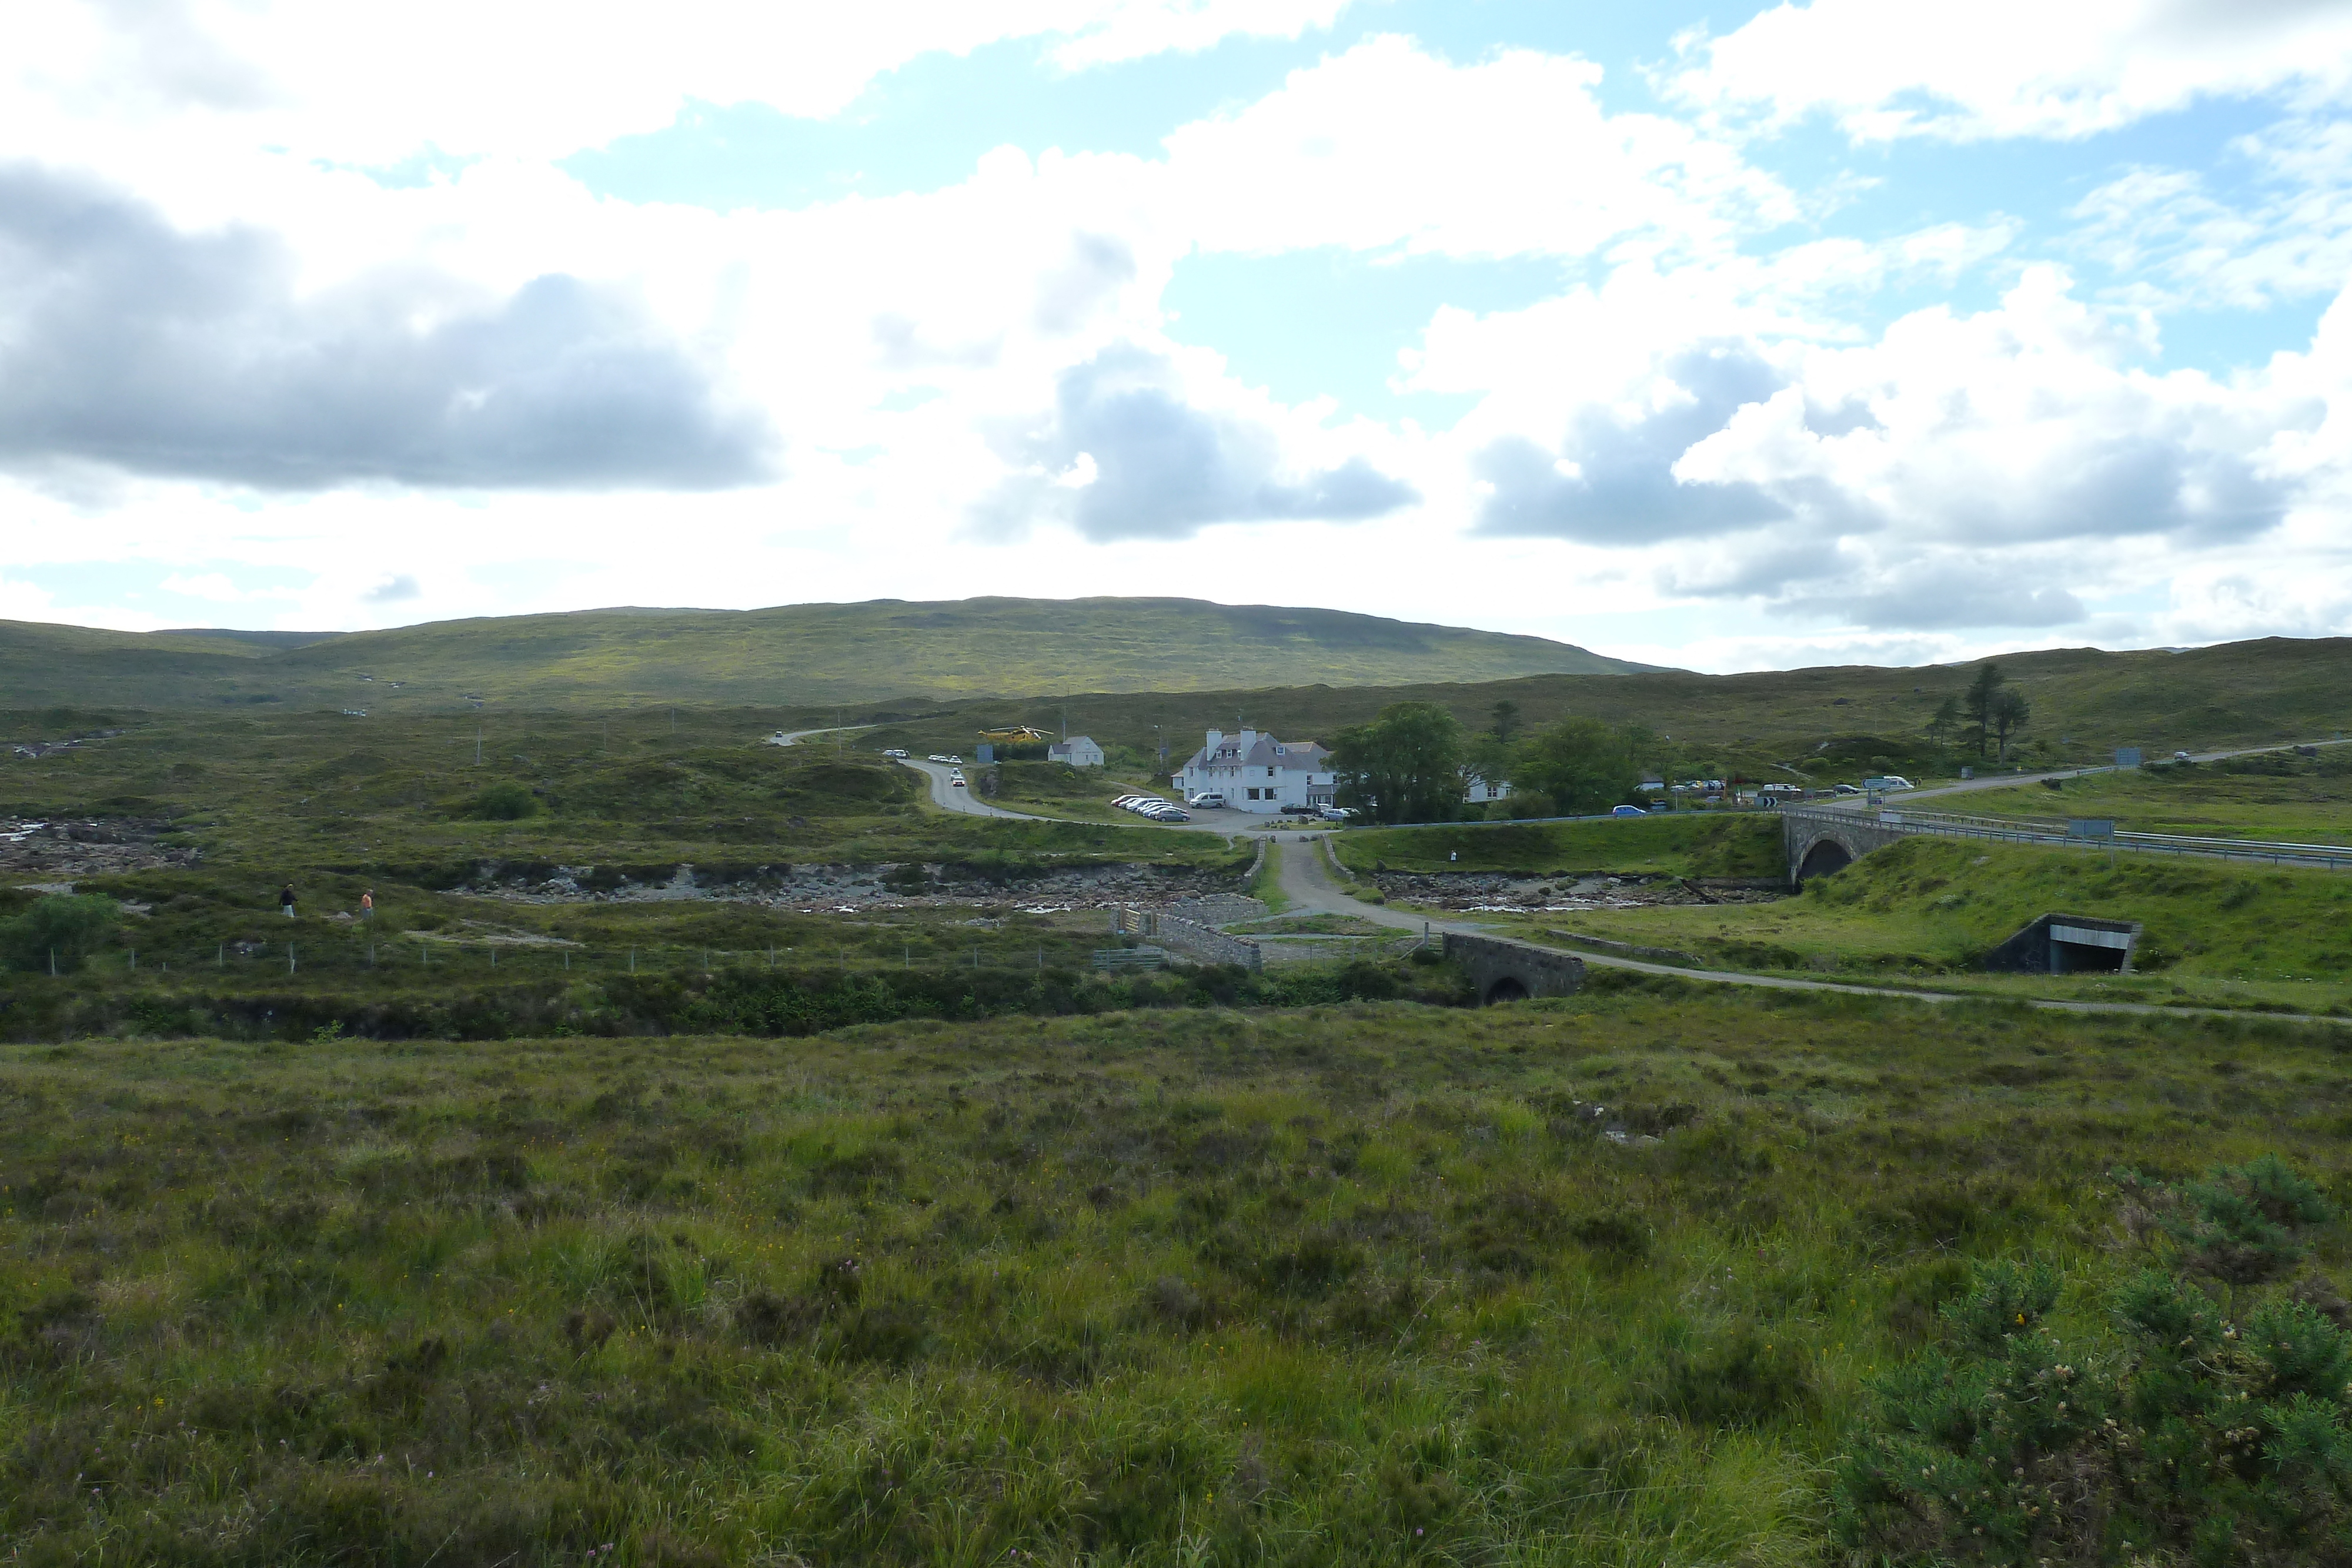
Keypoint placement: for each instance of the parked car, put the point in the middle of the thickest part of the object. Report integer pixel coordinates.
(940, 756)
(1296, 810)
(1208, 802)
(1627, 811)
(1845, 789)
(958, 761)
(2181, 757)
(894, 752)
(1338, 814)
(1887, 781)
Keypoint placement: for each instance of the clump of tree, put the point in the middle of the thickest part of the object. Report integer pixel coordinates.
(1583, 765)
(1414, 763)
(59, 932)
(2201, 1415)
(1994, 709)
(1406, 766)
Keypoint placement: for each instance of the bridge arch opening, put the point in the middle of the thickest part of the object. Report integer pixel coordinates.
(1824, 858)
(1509, 988)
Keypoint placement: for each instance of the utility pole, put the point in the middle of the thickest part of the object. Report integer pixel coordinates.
(477, 743)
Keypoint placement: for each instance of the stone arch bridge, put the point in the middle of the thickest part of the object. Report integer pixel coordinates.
(1508, 971)
(1819, 842)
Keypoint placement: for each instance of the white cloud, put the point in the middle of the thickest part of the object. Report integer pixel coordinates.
(1386, 146)
(214, 585)
(2172, 242)
(373, 83)
(2007, 469)
(2012, 67)
(1714, 423)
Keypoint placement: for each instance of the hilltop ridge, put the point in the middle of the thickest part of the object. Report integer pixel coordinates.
(788, 654)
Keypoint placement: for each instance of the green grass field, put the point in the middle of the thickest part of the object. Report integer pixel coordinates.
(1681, 843)
(1348, 1285)
(2275, 795)
(1052, 789)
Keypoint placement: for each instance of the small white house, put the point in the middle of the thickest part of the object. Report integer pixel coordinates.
(1078, 751)
(1482, 791)
(1255, 772)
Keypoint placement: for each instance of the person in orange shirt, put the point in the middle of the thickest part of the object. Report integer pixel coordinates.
(367, 904)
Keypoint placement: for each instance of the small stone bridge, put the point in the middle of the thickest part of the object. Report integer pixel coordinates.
(1819, 842)
(1507, 971)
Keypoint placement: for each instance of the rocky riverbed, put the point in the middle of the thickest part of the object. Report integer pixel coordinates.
(54, 855)
(1498, 891)
(846, 889)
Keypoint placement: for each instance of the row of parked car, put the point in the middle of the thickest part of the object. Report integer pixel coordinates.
(1209, 801)
(1153, 807)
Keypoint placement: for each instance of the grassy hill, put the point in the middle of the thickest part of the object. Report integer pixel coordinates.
(1855, 718)
(800, 654)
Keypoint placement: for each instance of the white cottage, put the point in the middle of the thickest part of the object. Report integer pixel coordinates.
(1255, 772)
(1078, 751)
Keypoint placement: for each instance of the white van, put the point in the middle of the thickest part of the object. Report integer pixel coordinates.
(1886, 781)
(1207, 802)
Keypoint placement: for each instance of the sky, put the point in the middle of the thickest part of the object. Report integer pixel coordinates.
(1729, 337)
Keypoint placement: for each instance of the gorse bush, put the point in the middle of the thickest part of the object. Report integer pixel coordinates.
(506, 801)
(2195, 1424)
(61, 928)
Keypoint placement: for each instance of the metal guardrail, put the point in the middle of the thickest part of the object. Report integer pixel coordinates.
(2024, 830)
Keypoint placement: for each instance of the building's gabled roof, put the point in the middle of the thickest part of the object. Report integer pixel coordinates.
(1264, 751)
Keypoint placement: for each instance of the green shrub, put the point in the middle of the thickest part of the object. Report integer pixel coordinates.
(2173, 1433)
(506, 801)
(65, 927)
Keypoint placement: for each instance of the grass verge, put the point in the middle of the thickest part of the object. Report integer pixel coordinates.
(1681, 843)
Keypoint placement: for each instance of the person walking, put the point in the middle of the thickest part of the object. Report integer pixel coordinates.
(367, 904)
(286, 900)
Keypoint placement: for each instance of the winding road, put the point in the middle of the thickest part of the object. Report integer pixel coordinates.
(794, 737)
(948, 798)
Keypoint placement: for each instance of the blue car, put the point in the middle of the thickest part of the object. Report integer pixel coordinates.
(1627, 811)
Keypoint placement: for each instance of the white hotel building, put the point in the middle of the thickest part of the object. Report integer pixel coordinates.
(1255, 772)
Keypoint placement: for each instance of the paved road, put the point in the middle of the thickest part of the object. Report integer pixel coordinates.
(794, 737)
(947, 797)
(2011, 780)
(1307, 882)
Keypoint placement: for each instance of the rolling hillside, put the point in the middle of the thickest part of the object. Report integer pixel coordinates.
(794, 654)
(2086, 703)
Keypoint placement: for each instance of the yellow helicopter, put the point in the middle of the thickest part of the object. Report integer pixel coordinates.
(1019, 735)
